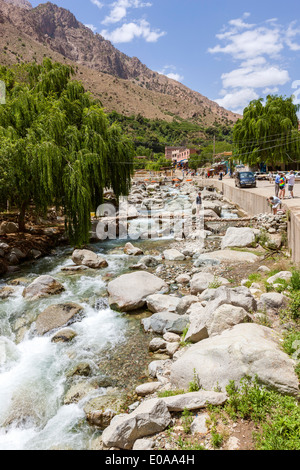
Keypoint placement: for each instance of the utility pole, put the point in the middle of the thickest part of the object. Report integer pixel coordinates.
(214, 147)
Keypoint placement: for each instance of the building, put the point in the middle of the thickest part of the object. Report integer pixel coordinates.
(179, 154)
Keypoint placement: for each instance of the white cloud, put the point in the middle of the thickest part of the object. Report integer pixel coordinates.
(170, 72)
(97, 3)
(237, 100)
(129, 31)
(255, 78)
(257, 49)
(92, 27)
(119, 10)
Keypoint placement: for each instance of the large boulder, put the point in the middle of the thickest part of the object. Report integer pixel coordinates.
(8, 227)
(43, 286)
(130, 291)
(151, 417)
(209, 320)
(245, 350)
(238, 236)
(88, 258)
(202, 281)
(131, 250)
(160, 303)
(56, 316)
(173, 255)
(284, 275)
(272, 301)
(162, 322)
(229, 256)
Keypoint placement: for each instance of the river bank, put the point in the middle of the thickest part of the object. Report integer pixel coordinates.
(62, 389)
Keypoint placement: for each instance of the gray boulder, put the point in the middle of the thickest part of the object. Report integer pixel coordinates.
(245, 350)
(162, 322)
(43, 286)
(160, 303)
(151, 417)
(88, 258)
(202, 281)
(130, 291)
(56, 316)
(238, 236)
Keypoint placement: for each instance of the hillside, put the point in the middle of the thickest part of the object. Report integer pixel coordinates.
(122, 83)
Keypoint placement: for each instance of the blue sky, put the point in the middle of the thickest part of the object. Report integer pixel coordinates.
(230, 51)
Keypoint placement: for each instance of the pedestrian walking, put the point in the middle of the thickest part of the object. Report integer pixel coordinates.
(291, 183)
(277, 179)
(282, 182)
(275, 203)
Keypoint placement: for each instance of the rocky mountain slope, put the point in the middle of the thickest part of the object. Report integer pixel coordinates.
(122, 83)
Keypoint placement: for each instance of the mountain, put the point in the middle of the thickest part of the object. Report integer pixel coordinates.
(122, 83)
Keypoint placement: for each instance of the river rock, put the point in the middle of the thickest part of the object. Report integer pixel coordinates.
(239, 237)
(63, 336)
(238, 296)
(79, 391)
(101, 410)
(173, 255)
(88, 258)
(202, 281)
(162, 322)
(245, 350)
(185, 303)
(160, 303)
(272, 301)
(6, 292)
(151, 417)
(8, 227)
(148, 388)
(285, 275)
(43, 286)
(149, 261)
(130, 291)
(195, 400)
(56, 316)
(129, 249)
(183, 279)
(143, 444)
(231, 256)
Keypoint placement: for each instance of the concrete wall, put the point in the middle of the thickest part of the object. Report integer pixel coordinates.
(294, 236)
(250, 202)
(255, 204)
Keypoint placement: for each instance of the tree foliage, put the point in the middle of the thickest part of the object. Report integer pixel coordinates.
(268, 132)
(58, 148)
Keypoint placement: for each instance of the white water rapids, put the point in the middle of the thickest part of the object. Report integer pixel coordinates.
(33, 370)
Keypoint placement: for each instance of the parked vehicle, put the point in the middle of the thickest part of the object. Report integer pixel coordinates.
(260, 175)
(245, 179)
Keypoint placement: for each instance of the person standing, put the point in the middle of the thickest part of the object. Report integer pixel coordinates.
(291, 183)
(277, 179)
(282, 182)
(198, 202)
(270, 177)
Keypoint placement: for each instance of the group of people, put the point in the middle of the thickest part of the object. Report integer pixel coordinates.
(281, 181)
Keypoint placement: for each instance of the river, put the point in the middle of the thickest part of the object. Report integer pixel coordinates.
(34, 371)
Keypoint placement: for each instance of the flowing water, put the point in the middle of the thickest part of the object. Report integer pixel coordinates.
(34, 371)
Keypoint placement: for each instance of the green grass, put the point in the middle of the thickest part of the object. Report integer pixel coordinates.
(278, 416)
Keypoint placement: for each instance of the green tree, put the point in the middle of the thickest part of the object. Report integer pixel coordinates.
(58, 148)
(268, 132)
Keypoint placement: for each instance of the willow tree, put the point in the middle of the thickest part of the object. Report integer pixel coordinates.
(58, 148)
(268, 132)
